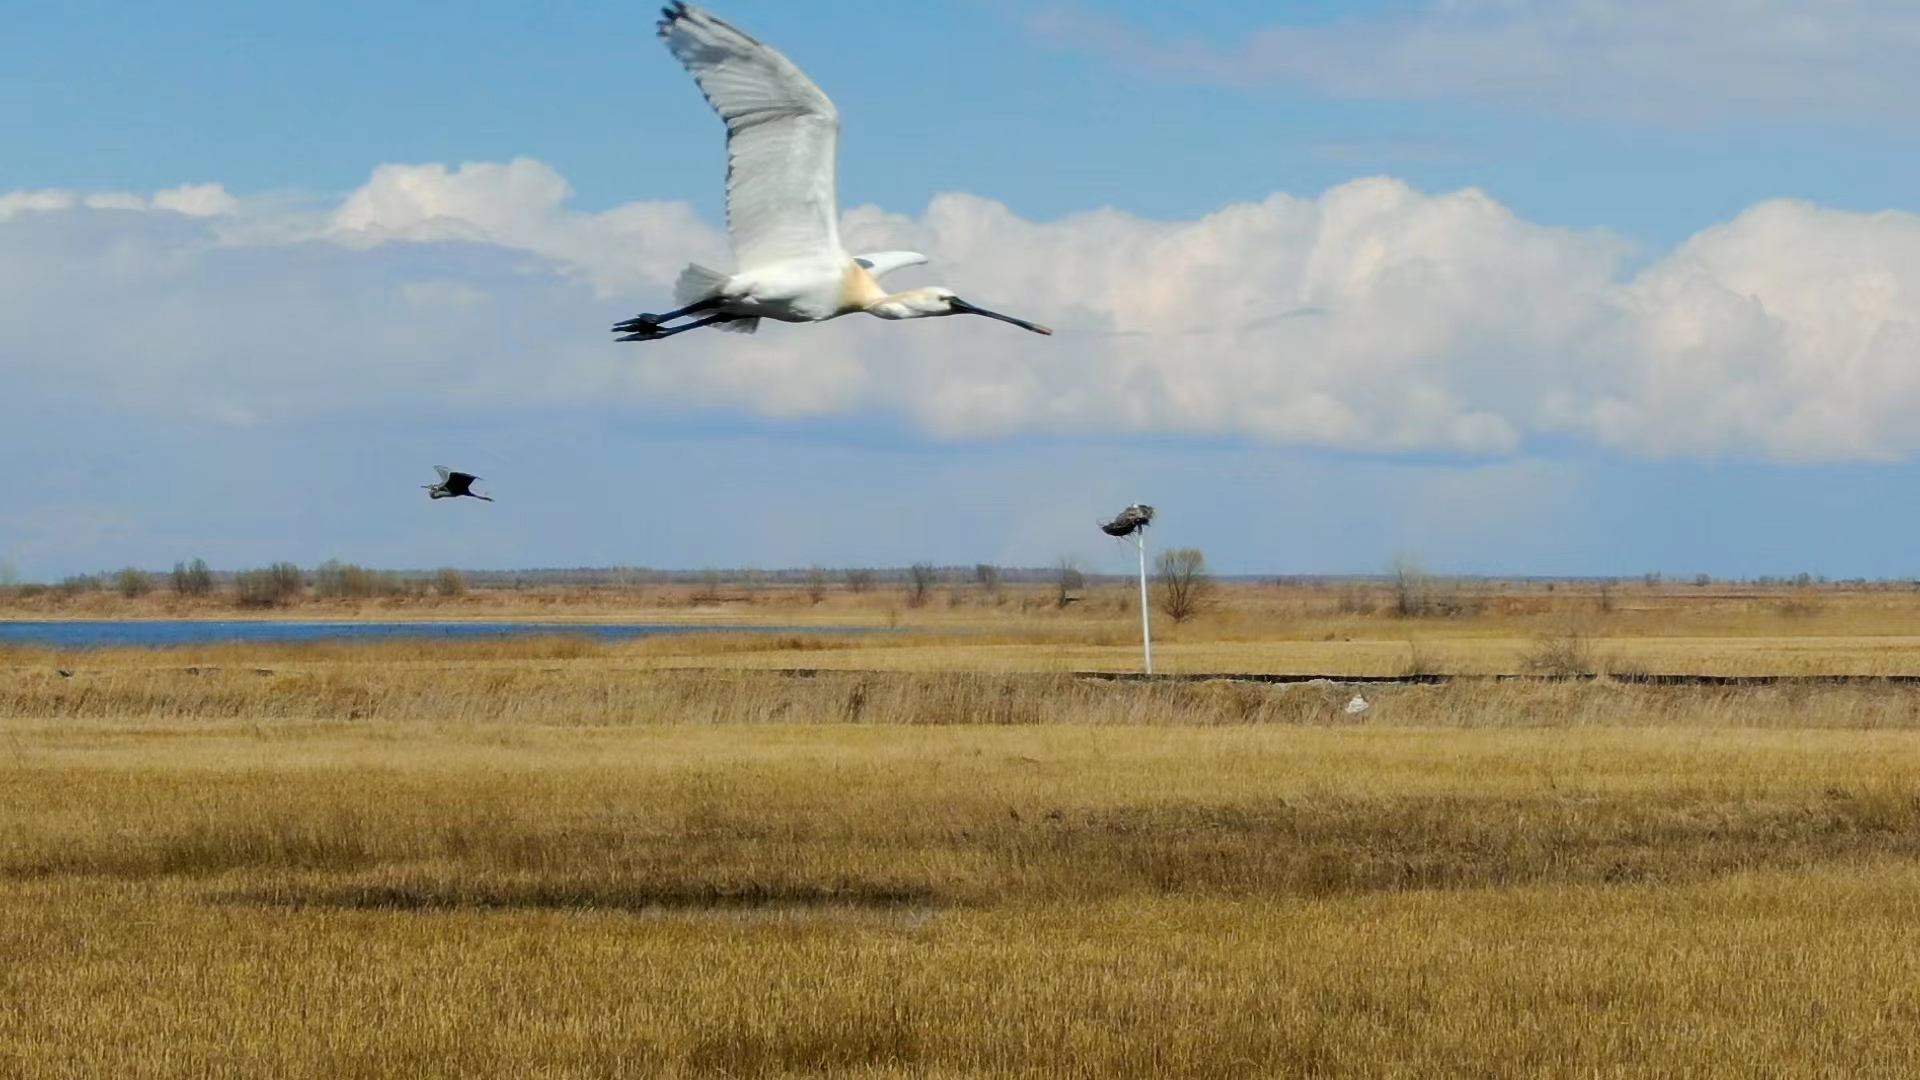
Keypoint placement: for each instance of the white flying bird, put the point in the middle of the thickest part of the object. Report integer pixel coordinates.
(782, 214)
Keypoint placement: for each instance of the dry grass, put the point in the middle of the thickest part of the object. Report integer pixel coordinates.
(673, 899)
(563, 682)
(556, 858)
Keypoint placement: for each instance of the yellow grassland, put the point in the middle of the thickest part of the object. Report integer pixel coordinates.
(556, 858)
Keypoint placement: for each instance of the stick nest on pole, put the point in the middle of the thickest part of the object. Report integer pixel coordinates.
(1131, 520)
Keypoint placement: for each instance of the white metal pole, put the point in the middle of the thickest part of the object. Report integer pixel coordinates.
(1146, 631)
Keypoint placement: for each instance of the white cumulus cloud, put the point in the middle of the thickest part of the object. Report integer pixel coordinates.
(1373, 318)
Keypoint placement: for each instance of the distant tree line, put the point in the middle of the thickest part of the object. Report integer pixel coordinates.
(1183, 585)
(271, 586)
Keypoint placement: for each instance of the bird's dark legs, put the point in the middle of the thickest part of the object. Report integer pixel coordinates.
(654, 332)
(647, 327)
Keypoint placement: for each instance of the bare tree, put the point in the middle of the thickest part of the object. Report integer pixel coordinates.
(1068, 581)
(192, 579)
(817, 582)
(859, 580)
(1412, 591)
(987, 576)
(920, 580)
(1184, 584)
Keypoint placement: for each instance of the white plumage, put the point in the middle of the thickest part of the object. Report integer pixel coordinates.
(783, 213)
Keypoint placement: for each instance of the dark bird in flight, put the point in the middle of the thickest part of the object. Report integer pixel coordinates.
(1131, 520)
(452, 485)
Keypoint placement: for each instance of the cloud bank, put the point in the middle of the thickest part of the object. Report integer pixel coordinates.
(1374, 318)
(1662, 61)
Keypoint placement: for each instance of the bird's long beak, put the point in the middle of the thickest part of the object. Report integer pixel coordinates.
(963, 307)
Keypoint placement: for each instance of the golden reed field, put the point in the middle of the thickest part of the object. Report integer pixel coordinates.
(939, 853)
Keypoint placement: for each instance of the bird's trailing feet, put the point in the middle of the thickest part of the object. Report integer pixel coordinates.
(653, 327)
(639, 328)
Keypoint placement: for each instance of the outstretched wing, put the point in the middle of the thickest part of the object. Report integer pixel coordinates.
(782, 133)
(443, 471)
(464, 478)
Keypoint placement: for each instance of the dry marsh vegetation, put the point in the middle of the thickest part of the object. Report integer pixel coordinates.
(1234, 609)
(691, 899)
(560, 858)
(1344, 629)
(733, 679)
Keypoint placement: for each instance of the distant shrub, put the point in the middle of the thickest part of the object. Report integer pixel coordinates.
(1420, 662)
(859, 580)
(192, 579)
(1068, 580)
(987, 576)
(817, 584)
(133, 583)
(1564, 654)
(1354, 600)
(75, 584)
(335, 580)
(920, 579)
(281, 583)
(1418, 595)
(449, 583)
(1799, 607)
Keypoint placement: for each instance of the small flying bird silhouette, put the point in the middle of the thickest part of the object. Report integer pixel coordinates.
(1131, 520)
(452, 485)
(783, 214)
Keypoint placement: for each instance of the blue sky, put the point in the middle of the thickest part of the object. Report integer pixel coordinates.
(1530, 380)
(961, 97)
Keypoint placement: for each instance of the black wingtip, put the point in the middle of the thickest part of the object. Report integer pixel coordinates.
(671, 14)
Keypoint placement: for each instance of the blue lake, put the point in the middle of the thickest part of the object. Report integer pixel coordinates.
(105, 633)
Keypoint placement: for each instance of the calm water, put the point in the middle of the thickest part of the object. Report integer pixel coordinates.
(146, 634)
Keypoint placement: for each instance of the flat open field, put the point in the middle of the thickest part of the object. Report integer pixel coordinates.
(548, 857)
